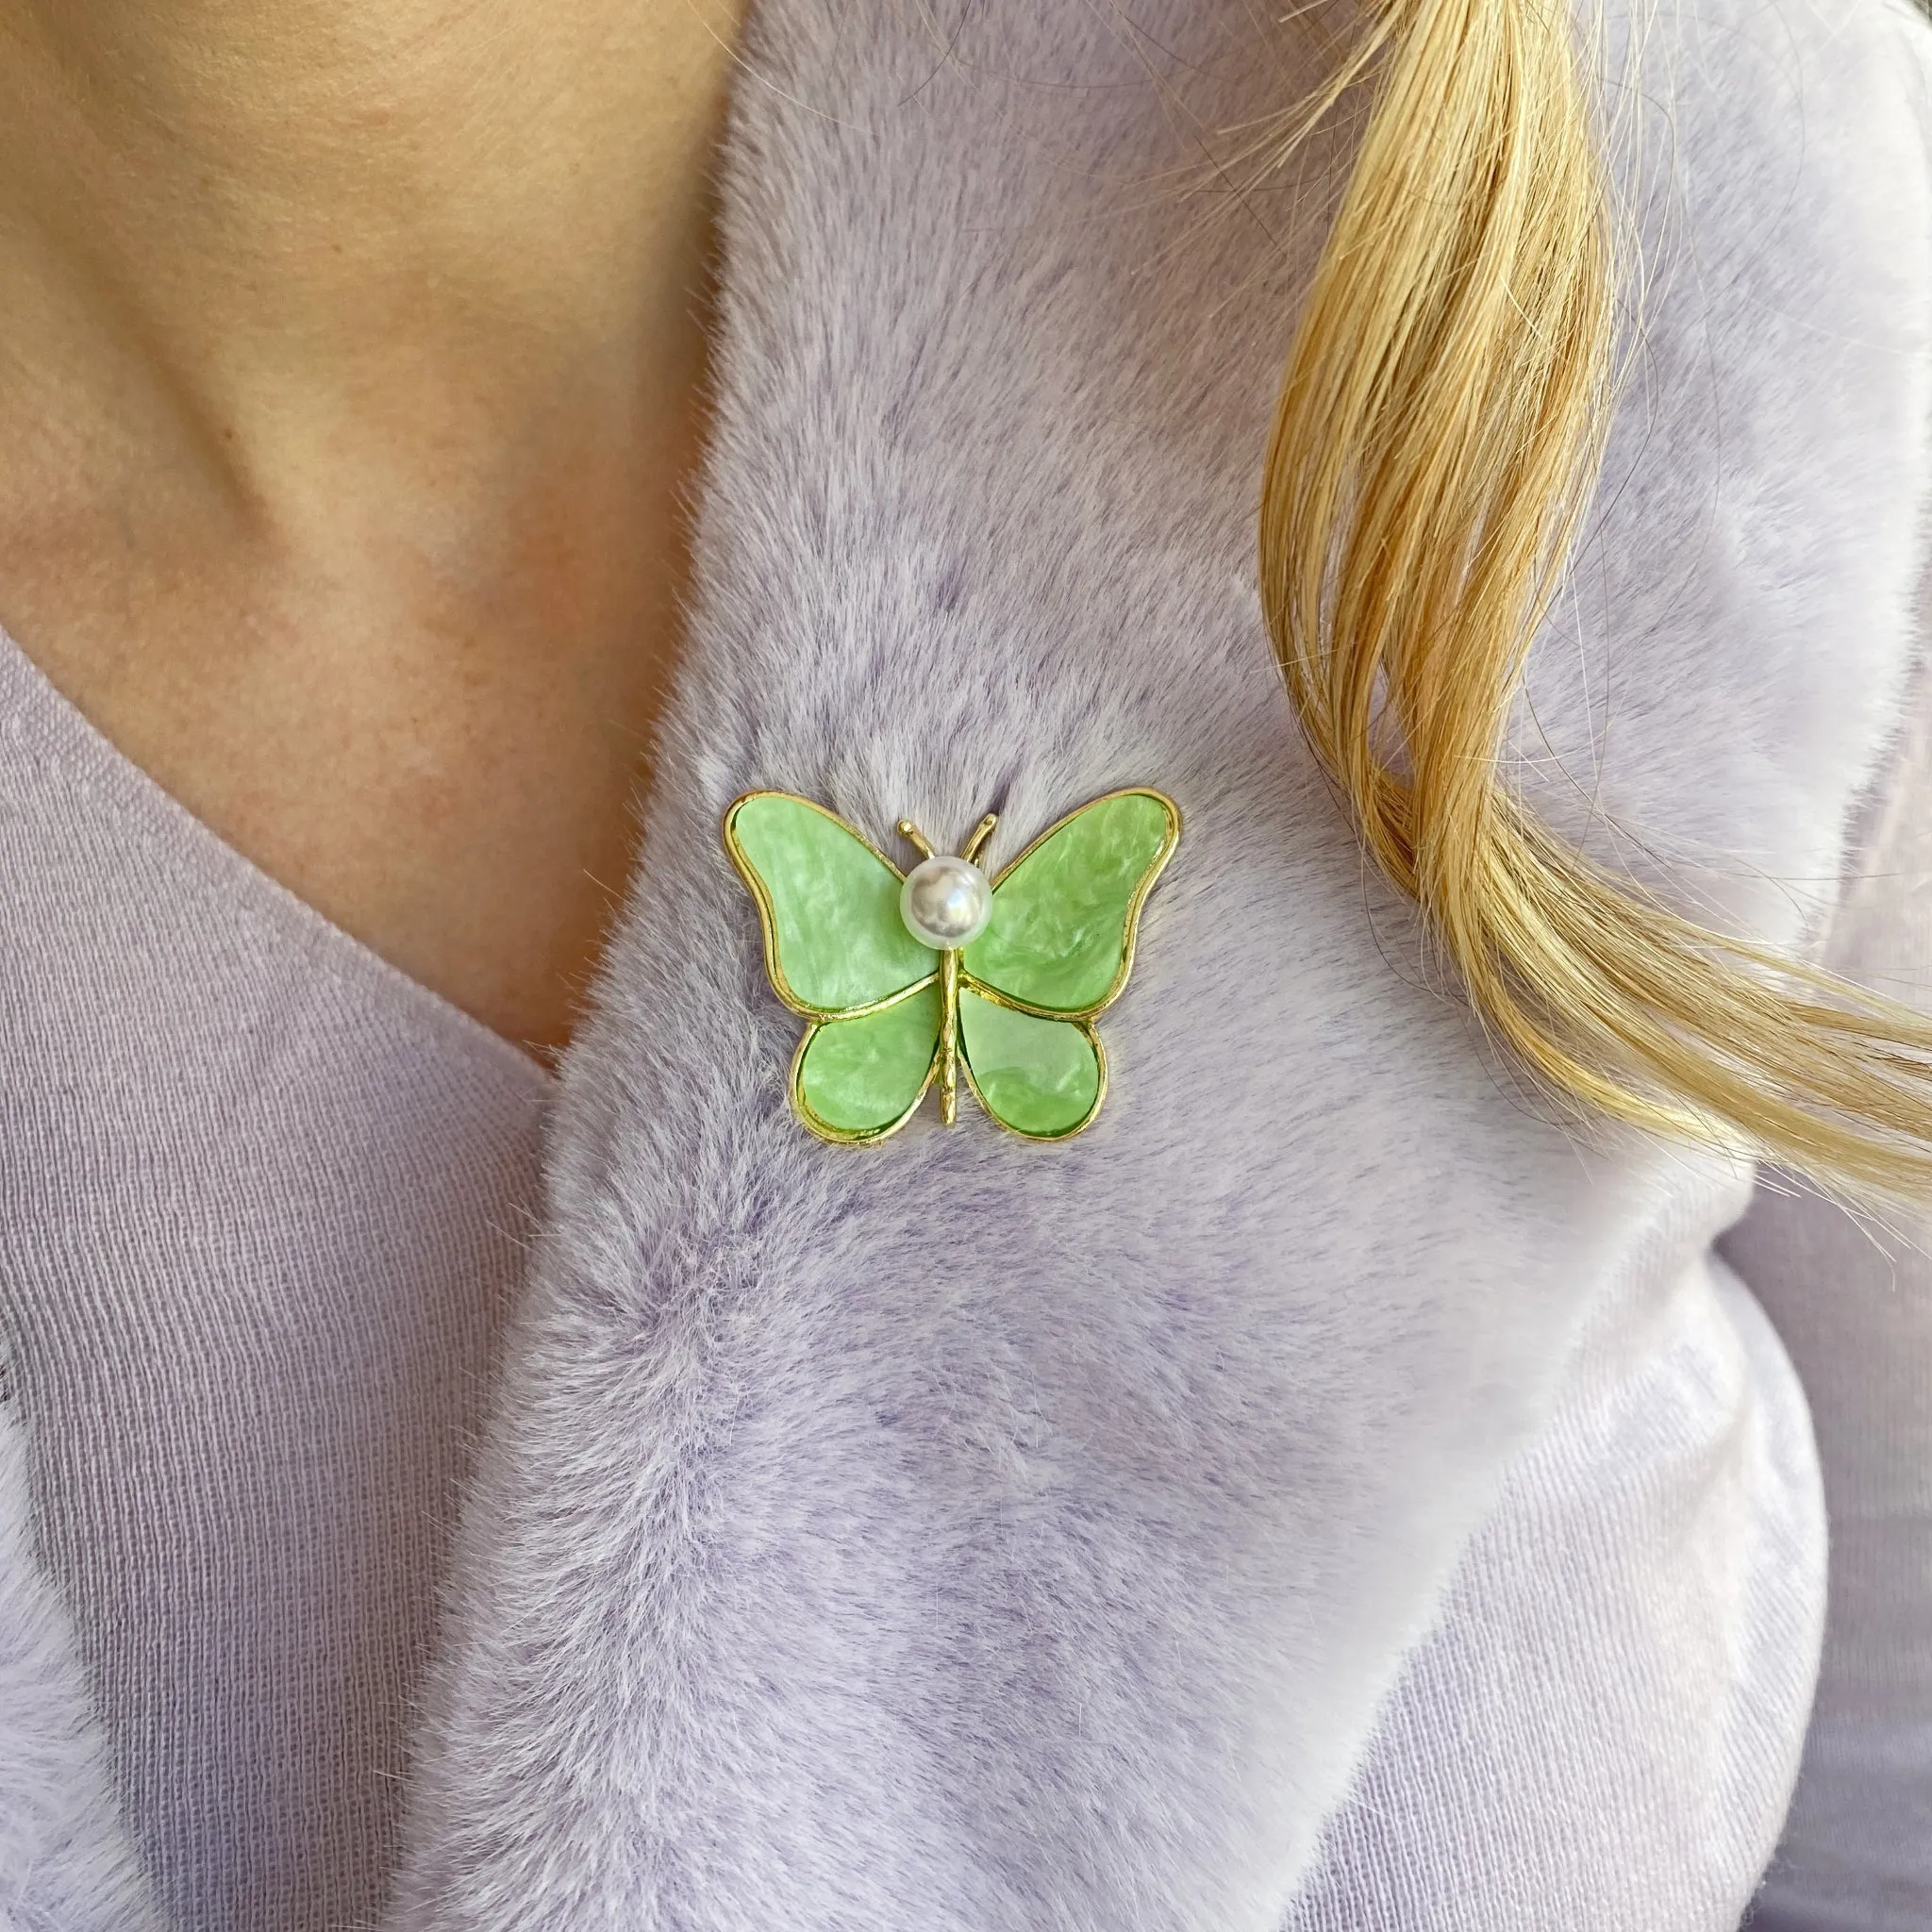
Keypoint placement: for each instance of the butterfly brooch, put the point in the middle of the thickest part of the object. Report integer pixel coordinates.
(909, 981)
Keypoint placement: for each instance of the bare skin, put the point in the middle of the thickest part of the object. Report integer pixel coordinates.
(351, 383)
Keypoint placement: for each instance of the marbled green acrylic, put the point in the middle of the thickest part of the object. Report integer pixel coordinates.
(861, 1076)
(1060, 920)
(1040, 1076)
(834, 905)
(891, 1016)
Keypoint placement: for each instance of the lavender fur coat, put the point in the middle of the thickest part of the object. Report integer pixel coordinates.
(1158, 1531)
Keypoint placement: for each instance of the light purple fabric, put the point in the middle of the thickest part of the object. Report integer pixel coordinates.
(819, 1576)
(1853, 1302)
(1124, 1564)
(264, 1205)
(244, 1507)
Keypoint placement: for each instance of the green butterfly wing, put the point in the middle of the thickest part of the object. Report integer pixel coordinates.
(1056, 951)
(1065, 912)
(862, 1078)
(829, 905)
(1043, 1078)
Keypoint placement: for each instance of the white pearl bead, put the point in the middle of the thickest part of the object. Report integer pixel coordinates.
(945, 903)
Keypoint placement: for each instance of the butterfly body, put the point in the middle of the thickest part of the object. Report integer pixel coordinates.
(865, 955)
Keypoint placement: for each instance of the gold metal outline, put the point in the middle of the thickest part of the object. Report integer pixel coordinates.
(768, 917)
(1134, 906)
(949, 1037)
(951, 973)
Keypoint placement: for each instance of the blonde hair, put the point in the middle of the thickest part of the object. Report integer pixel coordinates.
(1440, 426)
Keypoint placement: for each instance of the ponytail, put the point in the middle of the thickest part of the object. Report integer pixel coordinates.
(1440, 426)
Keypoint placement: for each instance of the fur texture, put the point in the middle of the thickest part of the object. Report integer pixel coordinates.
(976, 1535)
(973, 1536)
(65, 1863)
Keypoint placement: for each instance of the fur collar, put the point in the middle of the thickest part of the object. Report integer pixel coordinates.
(969, 1533)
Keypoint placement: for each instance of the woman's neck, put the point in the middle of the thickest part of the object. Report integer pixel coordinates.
(350, 379)
(373, 234)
